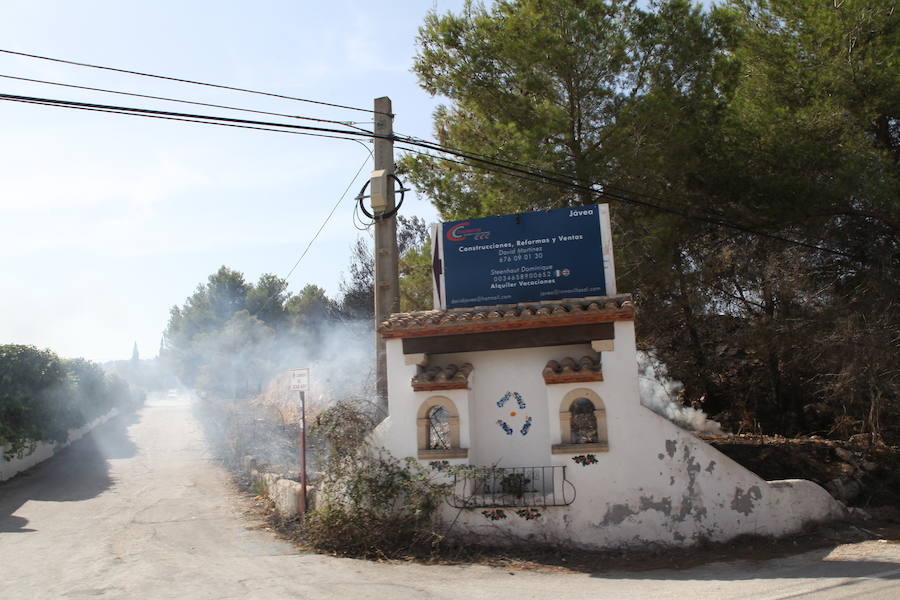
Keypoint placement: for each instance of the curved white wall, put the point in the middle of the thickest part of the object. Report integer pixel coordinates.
(656, 483)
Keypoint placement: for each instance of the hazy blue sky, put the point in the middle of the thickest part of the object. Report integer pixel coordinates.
(107, 221)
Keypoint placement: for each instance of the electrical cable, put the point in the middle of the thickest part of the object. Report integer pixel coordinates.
(322, 226)
(178, 116)
(198, 120)
(167, 99)
(717, 217)
(358, 223)
(542, 171)
(328, 218)
(498, 171)
(538, 177)
(190, 81)
(507, 169)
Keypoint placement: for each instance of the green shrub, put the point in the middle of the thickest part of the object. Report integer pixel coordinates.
(33, 388)
(42, 397)
(370, 503)
(374, 505)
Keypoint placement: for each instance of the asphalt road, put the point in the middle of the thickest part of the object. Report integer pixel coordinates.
(139, 509)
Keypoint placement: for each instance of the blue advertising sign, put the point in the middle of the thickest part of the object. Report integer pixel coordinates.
(527, 257)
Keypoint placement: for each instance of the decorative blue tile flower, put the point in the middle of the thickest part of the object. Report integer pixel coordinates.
(526, 426)
(519, 400)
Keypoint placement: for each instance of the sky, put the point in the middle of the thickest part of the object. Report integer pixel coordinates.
(107, 221)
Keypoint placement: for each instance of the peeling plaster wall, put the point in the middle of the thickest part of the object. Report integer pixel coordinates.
(656, 483)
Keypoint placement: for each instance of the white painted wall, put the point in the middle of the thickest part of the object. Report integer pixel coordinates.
(656, 484)
(45, 450)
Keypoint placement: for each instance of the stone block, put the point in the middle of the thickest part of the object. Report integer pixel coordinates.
(286, 496)
(248, 464)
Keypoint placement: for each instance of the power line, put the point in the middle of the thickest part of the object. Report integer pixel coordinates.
(190, 81)
(536, 176)
(541, 178)
(146, 112)
(199, 119)
(321, 227)
(498, 171)
(539, 170)
(328, 218)
(167, 99)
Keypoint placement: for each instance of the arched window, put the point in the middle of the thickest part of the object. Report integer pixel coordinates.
(437, 424)
(582, 423)
(438, 428)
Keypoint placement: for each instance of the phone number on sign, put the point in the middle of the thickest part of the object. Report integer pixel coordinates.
(522, 276)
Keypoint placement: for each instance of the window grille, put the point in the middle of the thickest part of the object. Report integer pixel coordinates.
(508, 487)
(438, 429)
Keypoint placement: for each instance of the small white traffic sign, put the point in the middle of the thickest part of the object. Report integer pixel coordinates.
(300, 380)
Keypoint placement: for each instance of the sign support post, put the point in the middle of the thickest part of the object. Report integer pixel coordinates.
(300, 383)
(302, 452)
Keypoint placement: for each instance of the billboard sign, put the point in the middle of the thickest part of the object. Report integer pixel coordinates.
(529, 257)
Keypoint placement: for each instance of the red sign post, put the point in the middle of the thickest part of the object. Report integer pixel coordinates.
(300, 383)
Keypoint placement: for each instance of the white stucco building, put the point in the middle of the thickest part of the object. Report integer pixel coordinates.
(543, 398)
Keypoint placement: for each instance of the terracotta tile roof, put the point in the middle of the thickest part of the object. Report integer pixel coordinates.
(569, 370)
(577, 311)
(450, 377)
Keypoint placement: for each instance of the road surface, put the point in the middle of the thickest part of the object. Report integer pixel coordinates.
(139, 509)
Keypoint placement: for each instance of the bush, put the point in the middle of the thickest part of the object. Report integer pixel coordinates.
(42, 397)
(376, 506)
(32, 391)
(371, 504)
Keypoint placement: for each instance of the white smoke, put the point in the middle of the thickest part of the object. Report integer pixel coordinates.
(660, 393)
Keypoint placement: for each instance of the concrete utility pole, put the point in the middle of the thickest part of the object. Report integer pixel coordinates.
(387, 279)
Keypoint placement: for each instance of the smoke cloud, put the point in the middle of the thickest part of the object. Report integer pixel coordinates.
(245, 375)
(660, 393)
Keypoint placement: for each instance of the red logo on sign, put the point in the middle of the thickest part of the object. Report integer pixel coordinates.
(459, 233)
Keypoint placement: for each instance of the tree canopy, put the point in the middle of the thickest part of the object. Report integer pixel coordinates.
(43, 396)
(779, 117)
(230, 337)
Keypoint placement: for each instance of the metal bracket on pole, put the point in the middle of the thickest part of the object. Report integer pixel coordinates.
(376, 214)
